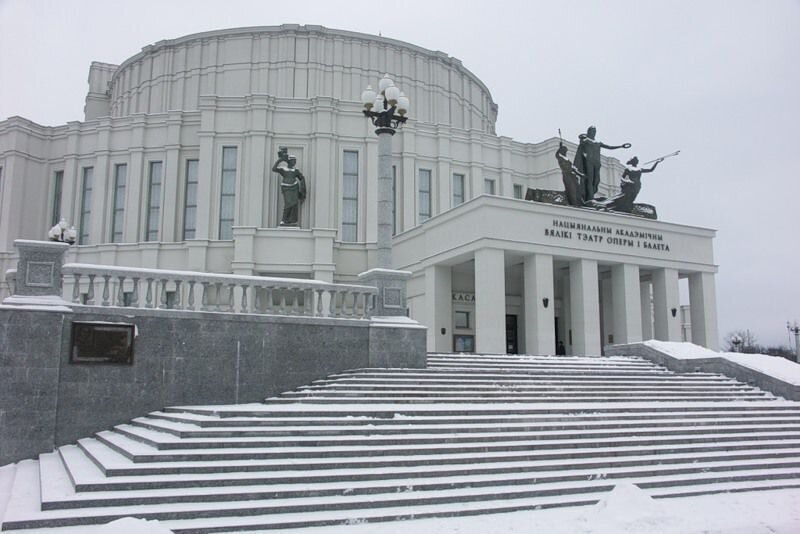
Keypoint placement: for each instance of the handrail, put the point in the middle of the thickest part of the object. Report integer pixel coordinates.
(190, 290)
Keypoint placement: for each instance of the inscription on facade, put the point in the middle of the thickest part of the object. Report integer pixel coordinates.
(607, 235)
(464, 297)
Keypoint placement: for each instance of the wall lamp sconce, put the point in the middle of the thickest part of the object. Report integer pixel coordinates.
(444, 331)
(545, 301)
(674, 312)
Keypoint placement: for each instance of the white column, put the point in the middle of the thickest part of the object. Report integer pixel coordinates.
(666, 297)
(539, 320)
(490, 301)
(606, 311)
(584, 307)
(703, 302)
(646, 308)
(564, 320)
(627, 303)
(439, 304)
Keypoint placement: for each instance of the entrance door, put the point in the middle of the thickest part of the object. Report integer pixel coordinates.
(511, 335)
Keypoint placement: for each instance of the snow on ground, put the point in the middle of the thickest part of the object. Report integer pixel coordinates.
(7, 473)
(625, 510)
(775, 366)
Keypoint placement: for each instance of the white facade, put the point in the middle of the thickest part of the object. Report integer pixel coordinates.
(172, 169)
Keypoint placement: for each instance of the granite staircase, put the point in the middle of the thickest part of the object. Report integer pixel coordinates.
(471, 434)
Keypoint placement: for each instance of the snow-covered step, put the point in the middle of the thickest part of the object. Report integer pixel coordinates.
(140, 452)
(88, 477)
(270, 422)
(114, 463)
(522, 387)
(471, 434)
(166, 441)
(62, 496)
(392, 410)
(357, 398)
(369, 428)
(352, 500)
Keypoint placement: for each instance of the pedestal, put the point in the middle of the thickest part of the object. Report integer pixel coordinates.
(38, 280)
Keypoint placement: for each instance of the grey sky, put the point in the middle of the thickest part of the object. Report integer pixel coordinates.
(716, 79)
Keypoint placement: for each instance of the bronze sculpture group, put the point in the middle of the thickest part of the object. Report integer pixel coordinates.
(581, 178)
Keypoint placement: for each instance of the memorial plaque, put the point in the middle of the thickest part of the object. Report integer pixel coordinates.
(102, 343)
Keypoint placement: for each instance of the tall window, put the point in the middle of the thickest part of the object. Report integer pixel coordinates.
(86, 205)
(227, 192)
(153, 201)
(517, 191)
(424, 195)
(488, 186)
(350, 197)
(118, 216)
(458, 189)
(190, 200)
(58, 183)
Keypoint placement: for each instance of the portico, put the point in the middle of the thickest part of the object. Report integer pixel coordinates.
(498, 275)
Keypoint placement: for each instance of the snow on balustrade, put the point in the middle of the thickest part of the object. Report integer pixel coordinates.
(195, 291)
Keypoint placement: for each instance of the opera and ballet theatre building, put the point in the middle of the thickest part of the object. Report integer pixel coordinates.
(173, 168)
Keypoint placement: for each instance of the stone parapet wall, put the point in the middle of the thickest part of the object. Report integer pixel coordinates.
(709, 365)
(179, 358)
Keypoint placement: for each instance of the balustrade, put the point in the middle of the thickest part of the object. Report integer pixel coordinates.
(183, 290)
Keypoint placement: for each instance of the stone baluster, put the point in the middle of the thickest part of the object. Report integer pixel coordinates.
(231, 292)
(76, 289)
(106, 290)
(318, 312)
(178, 295)
(163, 299)
(218, 287)
(333, 308)
(268, 299)
(204, 300)
(244, 299)
(121, 290)
(148, 298)
(190, 296)
(282, 309)
(90, 292)
(135, 295)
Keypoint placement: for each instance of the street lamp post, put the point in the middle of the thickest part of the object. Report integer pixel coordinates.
(386, 109)
(794, 328)
(737, 341)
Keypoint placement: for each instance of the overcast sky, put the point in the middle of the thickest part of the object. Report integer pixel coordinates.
(717, 80)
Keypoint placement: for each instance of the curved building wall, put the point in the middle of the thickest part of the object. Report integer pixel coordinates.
(292, 61)
(251, 106)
